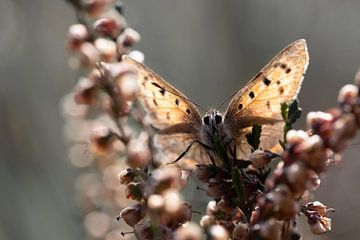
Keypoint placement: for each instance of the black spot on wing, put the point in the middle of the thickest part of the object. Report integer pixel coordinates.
(162, 90)
(188, 111)
(155, 102)
(240, 106)
(251, 94)
(266, 81)
(177, 102)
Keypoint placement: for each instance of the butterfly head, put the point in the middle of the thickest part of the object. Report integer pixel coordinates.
(212, 121)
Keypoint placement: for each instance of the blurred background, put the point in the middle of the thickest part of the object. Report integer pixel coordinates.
(206, 48)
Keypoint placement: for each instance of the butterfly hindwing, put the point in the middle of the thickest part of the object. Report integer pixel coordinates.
(258, 103)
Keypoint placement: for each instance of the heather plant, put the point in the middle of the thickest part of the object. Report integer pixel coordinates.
(124, 177)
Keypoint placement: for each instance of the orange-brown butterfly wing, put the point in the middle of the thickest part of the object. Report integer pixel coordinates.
(258, 103)
(170, 112)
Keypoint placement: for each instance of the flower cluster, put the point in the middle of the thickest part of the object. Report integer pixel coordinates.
(256, 198)
(306, 156)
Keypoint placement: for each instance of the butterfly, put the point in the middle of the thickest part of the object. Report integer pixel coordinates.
(183, 133)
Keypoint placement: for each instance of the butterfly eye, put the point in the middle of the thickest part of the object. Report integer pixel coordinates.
(218, 119)
(206, 120)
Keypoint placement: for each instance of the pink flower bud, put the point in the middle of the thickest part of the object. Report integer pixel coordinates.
(348, 95)
(85, 92)
(108, 27)
(211, 208)
(96, 7)
(101, 140)
(138, 152)
(88, 54)
(106, 48)
(127, 39)
(218, 232)
(343, 129)
(189, 231)
(77, 34)
(296, 136)
(207, 220)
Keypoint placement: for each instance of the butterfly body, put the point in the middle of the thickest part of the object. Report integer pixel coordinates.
(183, 133)
(213, 133)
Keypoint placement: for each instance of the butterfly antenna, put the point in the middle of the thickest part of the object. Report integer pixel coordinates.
(227, 99)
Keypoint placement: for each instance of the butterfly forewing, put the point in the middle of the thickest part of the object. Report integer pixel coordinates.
(259, 101)
(166, 105)
(177, 120)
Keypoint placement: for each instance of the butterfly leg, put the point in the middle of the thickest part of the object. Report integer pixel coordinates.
(188, 149)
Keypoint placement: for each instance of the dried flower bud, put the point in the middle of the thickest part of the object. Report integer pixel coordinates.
(108, 27)
(259, 158)
(322, 225)
(348, 95)
(269, 230)
(101, 140)
(318, 207)
(85, 92)
(133, 214)
(298, 177)
(284, 205)
(134, 191)
(241, 231)
(88, 54)
(207, 220)
(313, 153)
(138, 152)
(223, 206)
(184, 213)
(77, 34)
(189, 231)
(126, 176)
(144, 231)
(107, 49)
(203, 172)
(218, 232)
(155, 202)
(216, 190)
